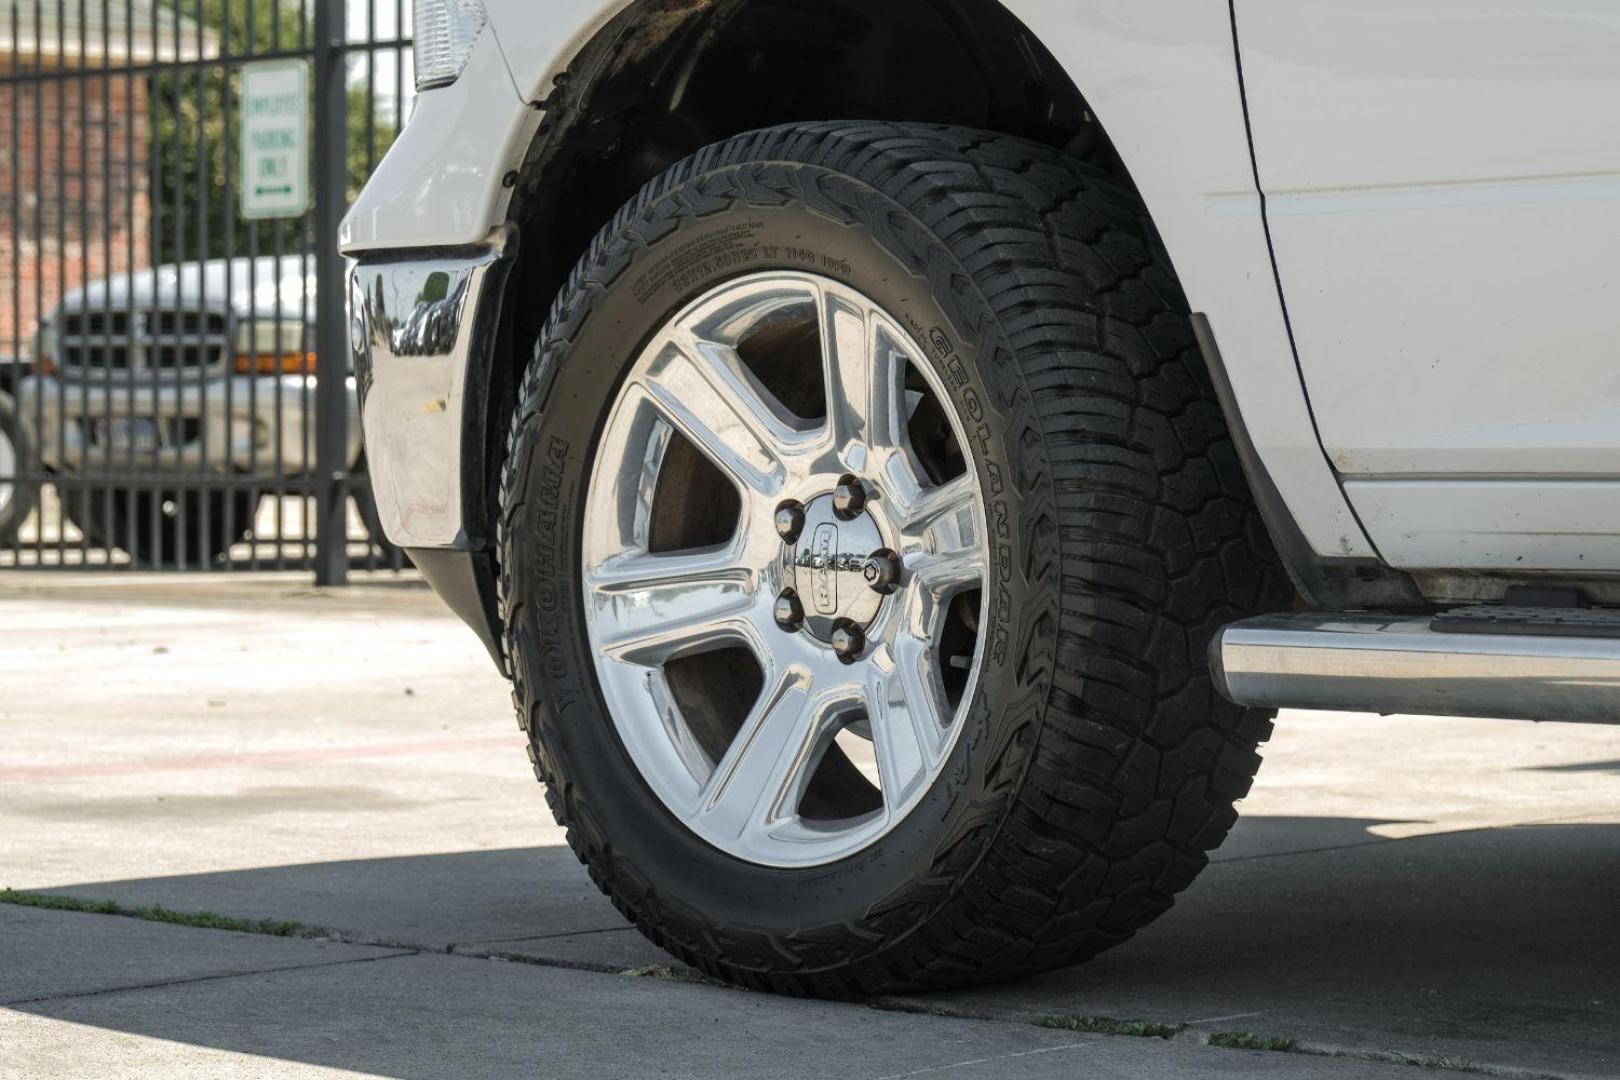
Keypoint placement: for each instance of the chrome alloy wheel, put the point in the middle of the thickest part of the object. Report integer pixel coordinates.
(784, 568)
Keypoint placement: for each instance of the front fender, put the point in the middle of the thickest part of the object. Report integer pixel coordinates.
(440, 184)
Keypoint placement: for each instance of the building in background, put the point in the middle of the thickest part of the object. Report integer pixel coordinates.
(75, 156)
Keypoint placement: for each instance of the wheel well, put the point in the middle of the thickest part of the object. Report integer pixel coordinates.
(667, 77)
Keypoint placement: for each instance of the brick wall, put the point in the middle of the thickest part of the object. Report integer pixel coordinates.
(74, 198)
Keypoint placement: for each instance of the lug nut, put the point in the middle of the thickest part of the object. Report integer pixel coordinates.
(849, 497)
(848, 641)
(788, 611)
(789, 521)
(882, 571)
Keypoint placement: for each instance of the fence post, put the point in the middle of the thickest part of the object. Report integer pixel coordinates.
(331, 318)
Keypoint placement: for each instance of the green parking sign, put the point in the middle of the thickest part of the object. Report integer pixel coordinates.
(275, 139)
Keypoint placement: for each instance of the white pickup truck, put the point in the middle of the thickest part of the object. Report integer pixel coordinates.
(166, 401)
(903, 454)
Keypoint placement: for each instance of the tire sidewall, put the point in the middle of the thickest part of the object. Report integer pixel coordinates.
(669, 256)
(24, 494)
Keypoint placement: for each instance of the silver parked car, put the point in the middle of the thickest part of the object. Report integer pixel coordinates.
(175, 397)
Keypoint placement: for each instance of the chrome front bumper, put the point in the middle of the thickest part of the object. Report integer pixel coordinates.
(260, 426)
(424, 325)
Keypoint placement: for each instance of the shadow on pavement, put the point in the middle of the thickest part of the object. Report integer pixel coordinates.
(1495, 946)
(1580, 767)
(431, 902)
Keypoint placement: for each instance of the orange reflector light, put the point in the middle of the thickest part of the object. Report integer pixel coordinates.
(275, 364)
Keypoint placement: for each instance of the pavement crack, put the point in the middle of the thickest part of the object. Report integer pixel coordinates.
(984, 1061)
(216, 977)
(1226, 1018)
(1189, 1035)
(463, 952)
(538, 937)
(1425, 1061)
(1373, 842)
(1379, 841)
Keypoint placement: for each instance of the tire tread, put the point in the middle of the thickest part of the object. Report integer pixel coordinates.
(1119, 767)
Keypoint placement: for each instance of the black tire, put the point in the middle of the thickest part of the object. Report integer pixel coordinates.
(162, 528)
(1098, 766)
(18, 495)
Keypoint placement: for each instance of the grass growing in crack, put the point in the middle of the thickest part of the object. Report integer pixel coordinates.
(206, 920)
(1107, 1025)
(1248, 1040)
(651, 971)
(1445, 1064)
(679, 974)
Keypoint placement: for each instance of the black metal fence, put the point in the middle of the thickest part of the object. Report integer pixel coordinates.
(176, 388)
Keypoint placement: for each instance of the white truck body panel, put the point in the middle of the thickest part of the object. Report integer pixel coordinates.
(1516, 525)
(439, 185)
(1162, 79)
(539, 47)
(1443, 187)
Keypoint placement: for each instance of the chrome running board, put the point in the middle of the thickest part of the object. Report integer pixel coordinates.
(1400, 664)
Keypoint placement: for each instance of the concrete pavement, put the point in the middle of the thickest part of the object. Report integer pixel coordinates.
(326, 1009)
(1428, 889)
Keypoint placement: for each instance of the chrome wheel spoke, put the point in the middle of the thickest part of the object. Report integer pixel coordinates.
(945, 522)
(758, 780)
(865, 372)
(650, 607)
(950, 508)
(909, 732)
(701, 389)
(943, 574)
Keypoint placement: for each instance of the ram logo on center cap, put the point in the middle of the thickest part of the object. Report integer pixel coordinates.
(824, 568)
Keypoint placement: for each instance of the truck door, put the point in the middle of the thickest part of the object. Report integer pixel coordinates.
(1442, 190)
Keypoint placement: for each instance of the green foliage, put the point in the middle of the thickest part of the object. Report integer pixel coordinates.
(194, 133)
(51, 902)
(206, 920)
(1107, 1025)
(1248, 1040)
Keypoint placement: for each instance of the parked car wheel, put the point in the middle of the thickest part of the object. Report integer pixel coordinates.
(162, 528)
(866, 518)
(18, 454)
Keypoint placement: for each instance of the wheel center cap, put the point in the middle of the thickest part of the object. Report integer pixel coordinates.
(828, 566)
